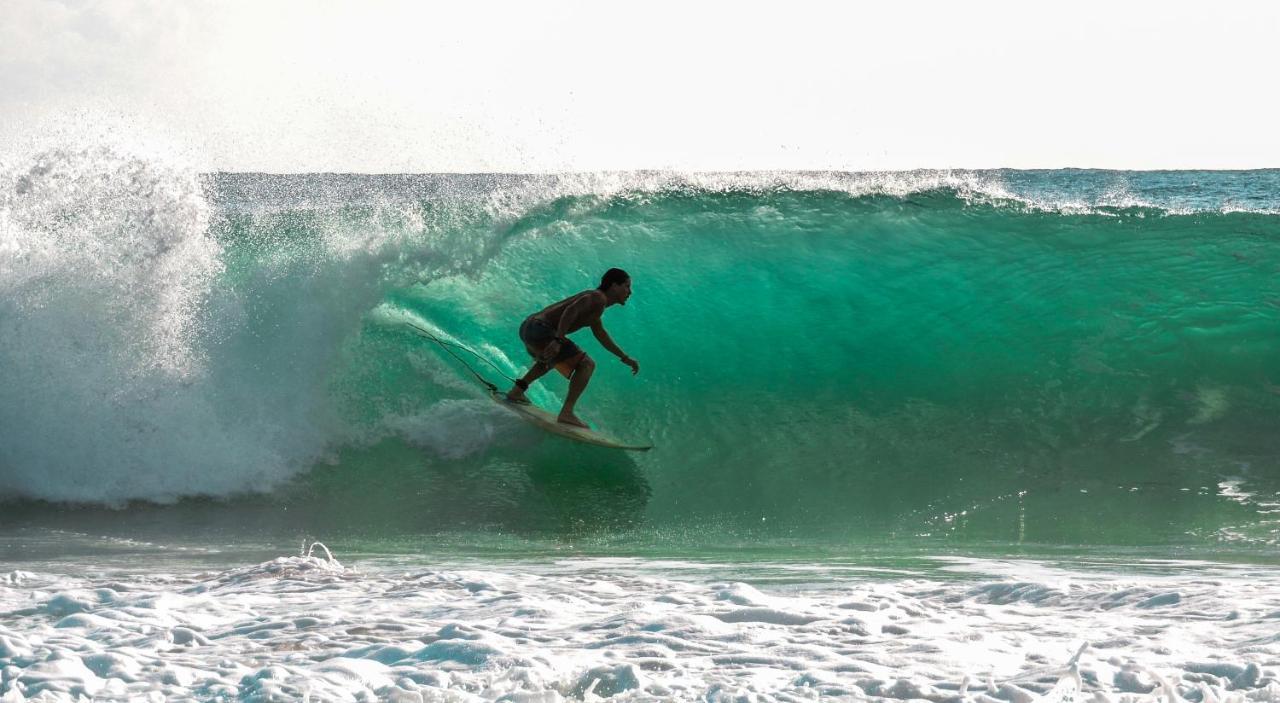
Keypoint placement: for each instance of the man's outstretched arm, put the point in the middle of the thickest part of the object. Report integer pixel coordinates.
(607, 342)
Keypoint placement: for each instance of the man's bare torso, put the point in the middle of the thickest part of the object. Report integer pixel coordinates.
(587, 307)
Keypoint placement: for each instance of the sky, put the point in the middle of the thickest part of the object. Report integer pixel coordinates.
(380, 86)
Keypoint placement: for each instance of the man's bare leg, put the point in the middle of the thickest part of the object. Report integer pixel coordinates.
(516, 394)
(577, 383)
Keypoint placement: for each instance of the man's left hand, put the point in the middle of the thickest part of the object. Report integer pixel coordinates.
(635, 365)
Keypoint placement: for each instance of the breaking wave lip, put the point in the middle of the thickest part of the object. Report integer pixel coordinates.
(504, 196)
(982, 187)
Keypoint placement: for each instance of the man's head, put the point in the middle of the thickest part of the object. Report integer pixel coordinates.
(616, 285)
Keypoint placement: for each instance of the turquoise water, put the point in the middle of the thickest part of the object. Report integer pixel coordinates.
(1053, 358)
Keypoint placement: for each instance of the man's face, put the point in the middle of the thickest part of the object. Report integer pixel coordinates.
(622, 291)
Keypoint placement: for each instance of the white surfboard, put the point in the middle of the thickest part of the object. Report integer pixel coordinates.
(546, 421)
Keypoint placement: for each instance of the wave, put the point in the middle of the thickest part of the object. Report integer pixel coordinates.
(1064, 356)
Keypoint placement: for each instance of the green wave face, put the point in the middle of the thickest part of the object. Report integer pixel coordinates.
(820, 364)
(1053, 357)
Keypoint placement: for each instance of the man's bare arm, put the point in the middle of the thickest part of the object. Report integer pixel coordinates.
(605, 340)
(597, 328)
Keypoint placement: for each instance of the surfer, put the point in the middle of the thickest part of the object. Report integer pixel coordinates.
(545, 336)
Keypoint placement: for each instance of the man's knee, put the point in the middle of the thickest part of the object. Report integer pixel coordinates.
(586, 364)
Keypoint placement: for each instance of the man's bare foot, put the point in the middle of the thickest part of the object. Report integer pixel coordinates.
(515, 395)
(571, 419)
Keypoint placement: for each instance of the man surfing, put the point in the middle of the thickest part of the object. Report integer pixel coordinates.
(545, 336)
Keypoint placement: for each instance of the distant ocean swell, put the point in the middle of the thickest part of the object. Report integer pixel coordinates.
(1070, 356)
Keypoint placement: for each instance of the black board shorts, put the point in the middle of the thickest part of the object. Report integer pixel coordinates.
(537, 334)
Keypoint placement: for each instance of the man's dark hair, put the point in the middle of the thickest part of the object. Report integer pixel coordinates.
(613, 276)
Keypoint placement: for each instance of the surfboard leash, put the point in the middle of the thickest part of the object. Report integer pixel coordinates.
(446, 346)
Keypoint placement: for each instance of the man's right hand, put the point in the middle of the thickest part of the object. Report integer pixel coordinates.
(549, 352)
(635, 365)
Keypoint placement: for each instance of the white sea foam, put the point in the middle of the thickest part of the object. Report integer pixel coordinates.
(109, 307)
(115, 238)
(307, 628)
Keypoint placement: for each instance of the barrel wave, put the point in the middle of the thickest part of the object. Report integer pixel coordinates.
(1055, 356)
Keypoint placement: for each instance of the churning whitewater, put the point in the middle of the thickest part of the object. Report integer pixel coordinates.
(948, 629)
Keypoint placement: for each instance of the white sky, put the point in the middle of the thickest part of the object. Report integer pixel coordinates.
(456, 85)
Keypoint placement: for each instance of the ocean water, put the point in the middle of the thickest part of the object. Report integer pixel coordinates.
(970, 436)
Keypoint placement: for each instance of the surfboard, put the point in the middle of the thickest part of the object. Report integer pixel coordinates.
(546, 421)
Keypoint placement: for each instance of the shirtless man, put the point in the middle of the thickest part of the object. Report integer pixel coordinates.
(544, 334)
